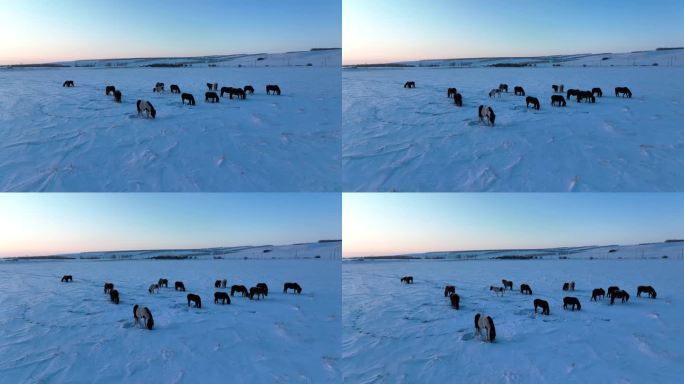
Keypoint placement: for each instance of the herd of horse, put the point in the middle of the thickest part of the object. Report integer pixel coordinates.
(484, 323)
(486, 113)
(140, 313)
(145, 107)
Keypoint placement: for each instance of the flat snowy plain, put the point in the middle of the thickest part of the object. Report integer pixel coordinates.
(397, 139)
(70, 332)
(78, 139)
(395, 332)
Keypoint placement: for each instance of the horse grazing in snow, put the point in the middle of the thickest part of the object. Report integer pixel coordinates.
(646, 289)
(117, 96)
(143, 313)
(407, 279)
(212, 87)
(558, 99)
(624, 91)
(449, 289)
(249, 89)
(163, 283)
(507, 284)
(67, 278)
(572, 301)
(410, 84)
(271, 88)
(188, 97)
(622, 295)
(211, 96)
(154, 288)
(294, 286)
(109, 89)
(221, 296)
(519, 91)
(239, 289)
(455, 300)
(497, 290)
(108, 287)
(195, 300)
(258, 291)
(483, 322)
(68, 84)
(486, 113)
(175, 88)
(458, 99)
(179, 286)
(598, 292)
(543, 304)
(451, 92)
(525, 289)
(114, 296)
(532, 100)
(569, 286)
(147, 107)
(597, 92)
(503, 87)
(494, 93)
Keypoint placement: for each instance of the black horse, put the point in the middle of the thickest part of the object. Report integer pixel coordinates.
(109, 89)
(163, 283)
(543, 304)
(217, 284)
(239, 289)
(410, 84)
(572, 301)
(194, 299)
(117, 96)
(532, 100)
(407, 279)
(451, 92)
(569, 286)
(612, 288)
(597, 92)
(179, 286)
(525, 289)
(264, 287)
(508, 284)
(558, 99)
(227, 90)
(68, 83)
(249, 89)
(175, 88)
(458, 99)
(646, 289)
(621, 294)
(519, 91)
(239, 93)
(624, 91)
(585, 95)
(455, 300)
(188, 97)
(503, 87)
(572, 92)
(258, 291)
(67, 278)
(212, 87)
(114, 296)
(294, 286)
(108, 287)
(273, 88)
(221, 296)
(486, 113)
(598, 292)
(211, 96)
(449, 289)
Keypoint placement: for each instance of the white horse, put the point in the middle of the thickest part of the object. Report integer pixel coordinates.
(486, 113)
(143, 313)
(485, 322)
(154, 288)
(495, 92)
(146, 106)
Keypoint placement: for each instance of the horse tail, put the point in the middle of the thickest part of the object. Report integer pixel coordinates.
(492, 329)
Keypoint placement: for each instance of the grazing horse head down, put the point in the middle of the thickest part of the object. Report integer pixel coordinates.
(154, 288)
(597, 92)
(68, 84)
(451, 92)
(189, 98)
(458, 99)
(195, 299)
(294, 286)
(503, 87)
(532, 100)
(620, 294)
(624, 91)
(407, 279)
(163, 283)
(455, 300)
(108, 287)
(143, 313)
(525, 289)
(572, 301)
(497, 290)
(179, 286)
(175, 88)
(211, 96)
(273, 88)
(646, 289)
(114, 296)
(249, 89)
(494, 92)
(449, 289)
(486, 323)
(519, 91)
(507, 284)
(146, 107)
(239, 289)
(263, 287)
(486, 113)
(410, 84)
(109, 89)
(569, 286)
(558, 99)
(598, 292)
(117, 96)
(258, 291)
(543, 304)
(67, 278)
(221, 296)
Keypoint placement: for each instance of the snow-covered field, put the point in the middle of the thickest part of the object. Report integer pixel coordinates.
(70, 332)
(397, 139)
(395, 332)
(78, 139)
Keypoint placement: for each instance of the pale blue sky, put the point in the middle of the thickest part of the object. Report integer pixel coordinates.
(381, 31)
(390, 224)
(48, 30)
(47, 223)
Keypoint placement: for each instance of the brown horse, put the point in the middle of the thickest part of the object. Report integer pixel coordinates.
(249, 89)
(195, 300)
(211, 96)
(294, 286)
(519, 91)
(264, 287)
(458, 99)
(67, 278)
(624, 91)
(407, 279)
(179, 286)
(175, 88)
(271, 88)
(455, 300)
(114, 296)
(117, 96)
(163, 283)
(569, 286)
(221, 296)
(449, 289)
(622, 295)
(646, 289)
(410, 84)
(239, 289)
(451, 92)
(108, 287)
(558, 99)
(543, 304)
(525, 289)
(187, 97)
(258, 291)
(68, 84)
(534, 101)
(507, 284)
(598, 292)
(611, 289)
(109, 89)
(572, 301)
(597, 92)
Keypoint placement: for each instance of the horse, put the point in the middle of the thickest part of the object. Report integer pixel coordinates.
(67, 278)
(555, 88)
(226, 90)
(294, 286)
(494, 92)
(143, 313)
(543, 304)
(569, 286)
(195, 300)
(109, 89)
(646, 289)
(612, 288)
(573, 301)
(407, 279)
(273, 88)
(497, 290)
(597, 91)
(154, 288)
(572, 92)
(147, 107)
(503, 87)
(410, 84)
(558, 99)
(217, 284)
(159, 88)
(163, 283)
(507, 284)
(114, 296)
(525, 289)
(258, 291)
(621, 294)
(532, 100)
(624, 91)
(558, 88)
(239, 93)
(458, 99)
(179, 286)
(486, 113)
(117, 96)
(519, 91)
(68, 83)
(486, 322)
(451, 92)
(108, 287)
(264, 287)
(240, 289)
(249, 89)
(449, 289)
(175, 88)
(211, 96)
(455, 300)
(190, 98)
(222, 296)
(212, 87)
(585, 95)
(598, 292)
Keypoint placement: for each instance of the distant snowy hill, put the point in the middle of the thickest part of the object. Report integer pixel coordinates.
(323, 250)
(323, 57)
(660, 57)
(669, 249)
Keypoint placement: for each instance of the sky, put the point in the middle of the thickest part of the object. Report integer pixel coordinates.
(381, 224)
(39, 224)
(39, 31)
(382, 31)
